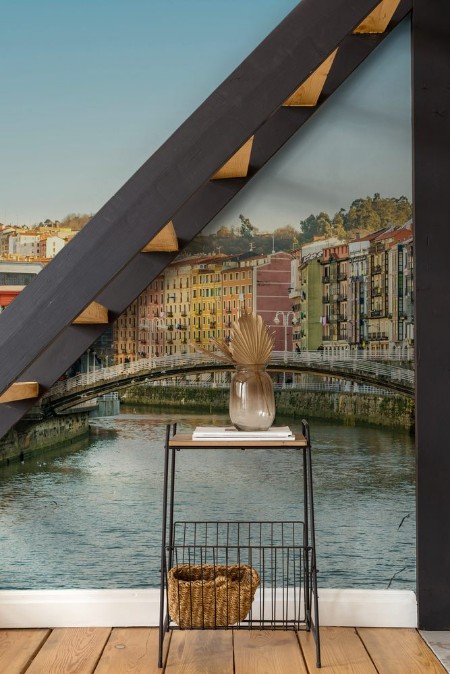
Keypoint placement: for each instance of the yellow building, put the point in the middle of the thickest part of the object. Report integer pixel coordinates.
(206, 301)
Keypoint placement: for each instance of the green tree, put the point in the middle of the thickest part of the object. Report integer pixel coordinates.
(315, 225)
(247, 230)
(338, 225)
(309, 228)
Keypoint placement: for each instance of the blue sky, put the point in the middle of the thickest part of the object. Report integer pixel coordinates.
(90, 89)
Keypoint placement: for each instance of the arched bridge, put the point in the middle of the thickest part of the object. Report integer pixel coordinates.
(393, 371)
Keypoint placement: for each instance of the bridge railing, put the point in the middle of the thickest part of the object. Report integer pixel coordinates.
(335, 386)
(389, 366)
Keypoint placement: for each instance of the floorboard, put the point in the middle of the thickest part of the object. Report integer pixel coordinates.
(264, 651)
(18, 648)
(72, 650)
(200, 652)
(399, 651)
(342, 652)
(131, 651)
(345, 650)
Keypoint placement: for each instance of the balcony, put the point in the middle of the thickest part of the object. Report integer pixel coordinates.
(375, 313)
(377, 336)
(212, 324)
(169, 314)
(376, 269)
(342, 276)
(183, 314)
(342, 298)
(376, 292)
(326, 278)
(325, 300)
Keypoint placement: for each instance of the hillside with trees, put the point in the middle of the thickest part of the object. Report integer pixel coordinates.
(364, 215)
(73, 221)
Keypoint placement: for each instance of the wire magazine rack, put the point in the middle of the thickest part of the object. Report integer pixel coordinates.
(238, 574)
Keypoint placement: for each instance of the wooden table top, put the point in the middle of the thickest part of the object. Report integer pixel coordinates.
(184, 440)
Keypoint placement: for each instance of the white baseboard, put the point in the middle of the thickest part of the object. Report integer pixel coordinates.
(126, 608)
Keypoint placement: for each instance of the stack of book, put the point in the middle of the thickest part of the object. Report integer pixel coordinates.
(231, 433)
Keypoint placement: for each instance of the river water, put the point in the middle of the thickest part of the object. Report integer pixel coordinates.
(90, 516)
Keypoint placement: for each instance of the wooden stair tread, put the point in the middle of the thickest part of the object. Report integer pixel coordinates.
(164, 242)
(21, 390)
(308, 93)
(94, 314)
(377, 21)
(237, 165)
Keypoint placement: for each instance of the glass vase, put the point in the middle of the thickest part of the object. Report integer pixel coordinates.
(252, 402)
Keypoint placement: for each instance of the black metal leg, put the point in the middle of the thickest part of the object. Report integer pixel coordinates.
(307, 591)
(163, 549)
(313, 595)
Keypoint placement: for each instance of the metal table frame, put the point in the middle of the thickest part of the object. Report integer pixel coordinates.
(175, 442)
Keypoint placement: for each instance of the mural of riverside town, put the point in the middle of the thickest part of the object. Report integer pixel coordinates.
(320, 243)
(331, 283)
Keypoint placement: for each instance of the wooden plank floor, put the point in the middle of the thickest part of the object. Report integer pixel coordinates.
(345, 650)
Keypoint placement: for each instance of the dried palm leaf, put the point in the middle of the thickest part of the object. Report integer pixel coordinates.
(251, 342)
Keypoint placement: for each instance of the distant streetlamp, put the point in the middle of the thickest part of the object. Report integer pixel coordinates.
(287, 318)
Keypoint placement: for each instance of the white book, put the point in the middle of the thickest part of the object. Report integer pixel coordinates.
(232, 433)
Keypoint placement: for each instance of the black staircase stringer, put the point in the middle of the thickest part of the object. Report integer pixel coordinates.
(196, 213)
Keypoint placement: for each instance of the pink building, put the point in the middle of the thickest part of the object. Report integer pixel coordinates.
(271, 287)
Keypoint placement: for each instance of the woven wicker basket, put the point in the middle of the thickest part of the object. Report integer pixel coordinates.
(210, 595)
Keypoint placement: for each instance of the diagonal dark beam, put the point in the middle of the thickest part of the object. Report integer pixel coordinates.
(194, 215)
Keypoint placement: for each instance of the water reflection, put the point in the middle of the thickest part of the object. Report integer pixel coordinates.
(91, 516)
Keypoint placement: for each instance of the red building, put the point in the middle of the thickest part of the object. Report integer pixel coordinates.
(271, 286)
(7, 294)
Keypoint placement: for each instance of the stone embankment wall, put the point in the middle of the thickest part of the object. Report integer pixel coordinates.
(348, 408)
(31, 437)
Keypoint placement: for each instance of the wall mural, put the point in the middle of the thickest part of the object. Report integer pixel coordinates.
(320, 244)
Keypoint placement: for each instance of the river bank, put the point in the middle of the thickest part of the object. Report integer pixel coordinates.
(352, 409)
(29, 438)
